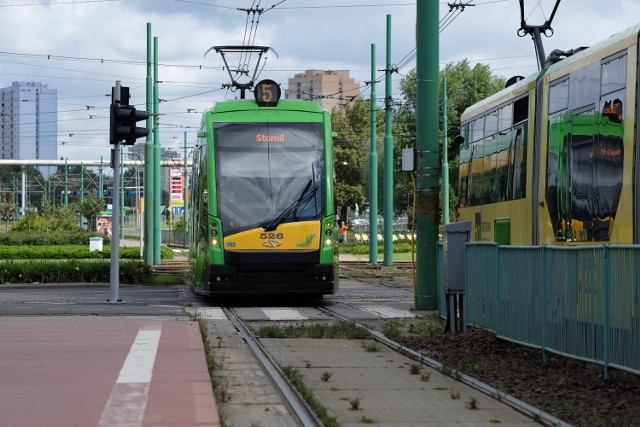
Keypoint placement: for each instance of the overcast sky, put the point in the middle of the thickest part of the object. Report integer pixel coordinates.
(81, 47)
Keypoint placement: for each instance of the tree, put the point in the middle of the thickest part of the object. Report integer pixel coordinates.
(7, 209)
(351, 147)
(465, 87)
(91, 206)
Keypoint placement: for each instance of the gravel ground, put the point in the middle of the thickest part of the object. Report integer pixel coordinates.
(571, 390)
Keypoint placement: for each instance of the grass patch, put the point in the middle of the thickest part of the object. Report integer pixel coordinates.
(421, 326)
(342, 330)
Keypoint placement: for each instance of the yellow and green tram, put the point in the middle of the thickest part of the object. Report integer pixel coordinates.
(552, 158)
(263, 218)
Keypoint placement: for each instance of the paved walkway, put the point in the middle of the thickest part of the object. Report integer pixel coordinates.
(97, 371)
(384, 388)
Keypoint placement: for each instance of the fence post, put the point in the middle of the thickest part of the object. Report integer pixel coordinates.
(606, 328)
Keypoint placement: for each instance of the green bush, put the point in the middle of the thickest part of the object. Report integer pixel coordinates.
(73, 252)
(82, 271)
(359, 248)
(77, 236)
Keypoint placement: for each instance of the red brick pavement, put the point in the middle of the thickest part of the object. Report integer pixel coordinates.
(63, 372)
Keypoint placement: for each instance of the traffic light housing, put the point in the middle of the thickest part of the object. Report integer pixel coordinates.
(123, 120)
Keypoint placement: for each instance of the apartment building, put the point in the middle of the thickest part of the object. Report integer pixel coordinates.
(332, 88)
(28, 122)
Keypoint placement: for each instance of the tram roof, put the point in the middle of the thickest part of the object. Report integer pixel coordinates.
(631, 32)
(251, 105)
(501, 97)
(520, 87)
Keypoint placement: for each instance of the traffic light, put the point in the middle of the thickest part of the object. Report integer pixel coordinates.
(123, 120)
(123, 124)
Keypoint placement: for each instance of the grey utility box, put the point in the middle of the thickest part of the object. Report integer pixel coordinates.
(454, 237)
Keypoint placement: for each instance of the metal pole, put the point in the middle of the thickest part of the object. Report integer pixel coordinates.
(66, 183)
(157, 221)
(149, 161)
(388, 158)
(373, 167)
(100, 179)
(23, 204)
(445, 155)
(115, 214)
(427, 175)
(82, 192)
(185, 194)
(121, 193)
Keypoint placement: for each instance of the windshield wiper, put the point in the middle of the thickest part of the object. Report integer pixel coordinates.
(307, 193)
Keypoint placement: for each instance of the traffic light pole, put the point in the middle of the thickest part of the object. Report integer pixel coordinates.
(115, 215)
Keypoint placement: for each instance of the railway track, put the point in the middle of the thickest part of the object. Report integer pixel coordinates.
(178, 267)
(243, 323)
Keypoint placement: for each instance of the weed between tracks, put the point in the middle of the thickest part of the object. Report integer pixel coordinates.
(342, 330)
(295, 378)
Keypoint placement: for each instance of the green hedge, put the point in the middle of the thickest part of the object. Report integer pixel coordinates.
(72, 252)
(49, 238)
(72, 271)
(362, 248)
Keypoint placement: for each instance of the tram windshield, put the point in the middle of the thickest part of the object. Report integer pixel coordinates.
(268, 173)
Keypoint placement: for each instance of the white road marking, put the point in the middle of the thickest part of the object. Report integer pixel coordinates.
(212, 313)
(387, 312)
(130, 393)
(283, 314)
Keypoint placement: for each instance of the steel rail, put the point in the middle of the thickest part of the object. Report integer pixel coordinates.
(299, 407)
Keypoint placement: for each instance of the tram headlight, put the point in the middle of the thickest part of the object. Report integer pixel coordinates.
(214, 233)
(328, 232)
(214, 242)
(328, 241)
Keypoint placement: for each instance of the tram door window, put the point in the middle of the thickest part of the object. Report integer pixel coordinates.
(585, 150)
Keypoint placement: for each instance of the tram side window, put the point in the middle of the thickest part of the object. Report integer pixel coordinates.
(505, 117)
(491, 124)
(477, 129)
(493, 167)
(520, 110)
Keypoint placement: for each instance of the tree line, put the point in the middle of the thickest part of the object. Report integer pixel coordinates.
(466, 85)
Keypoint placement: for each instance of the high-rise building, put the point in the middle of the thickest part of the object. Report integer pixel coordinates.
(29, 122)
(333, 88)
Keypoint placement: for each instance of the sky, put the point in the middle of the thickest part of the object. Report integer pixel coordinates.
(81, 47)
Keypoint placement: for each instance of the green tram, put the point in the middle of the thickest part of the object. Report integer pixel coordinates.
(263, 206)
(553, 158)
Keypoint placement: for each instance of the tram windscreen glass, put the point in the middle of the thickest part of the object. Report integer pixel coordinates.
(264, 170)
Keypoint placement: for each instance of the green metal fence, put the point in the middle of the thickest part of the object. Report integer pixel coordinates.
(174, 238)
(582, 302)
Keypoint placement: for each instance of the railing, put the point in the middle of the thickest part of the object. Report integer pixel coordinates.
(174, 238)
(581, 302)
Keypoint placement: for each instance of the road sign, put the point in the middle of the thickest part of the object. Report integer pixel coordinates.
(177, 210)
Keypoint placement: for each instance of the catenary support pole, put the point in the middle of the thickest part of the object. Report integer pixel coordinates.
(185, 194)
(121, 193)
(157, 221)
(149, 161)
(66, 184)
(388, 158)
(427, 82)
(373, 167)
(445, 155)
